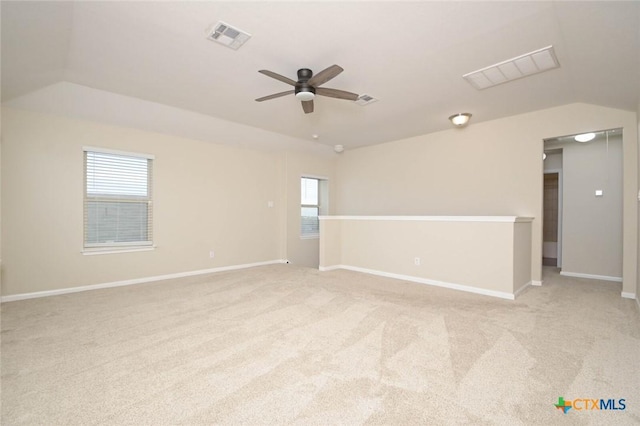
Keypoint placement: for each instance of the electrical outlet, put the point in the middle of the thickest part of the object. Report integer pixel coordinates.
(416, 261)
(212, 254)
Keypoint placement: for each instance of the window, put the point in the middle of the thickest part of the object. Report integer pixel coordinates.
(313, 204)
(117, 200)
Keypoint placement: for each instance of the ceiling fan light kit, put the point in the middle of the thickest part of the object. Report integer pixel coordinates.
(307, 86)
(304, 91)
(304, 95)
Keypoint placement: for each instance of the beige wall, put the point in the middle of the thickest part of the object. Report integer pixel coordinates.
(0, 205)
(638, 159)
(488, 168)
(592, 226)
(304, 251)
(206, 197)
(521, 255)
(488, 255)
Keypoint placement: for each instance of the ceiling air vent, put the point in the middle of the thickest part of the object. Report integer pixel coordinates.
(512, 69)
(224, 33)
(365, 99)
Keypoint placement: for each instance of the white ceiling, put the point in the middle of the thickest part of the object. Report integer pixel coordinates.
(410, 55)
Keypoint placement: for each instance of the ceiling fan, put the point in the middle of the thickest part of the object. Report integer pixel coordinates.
(307, 86)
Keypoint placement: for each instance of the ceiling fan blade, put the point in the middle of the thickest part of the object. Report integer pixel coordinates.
(282, 78)
(307, 106)
(335, 93)
(275, 95)
(325, 75)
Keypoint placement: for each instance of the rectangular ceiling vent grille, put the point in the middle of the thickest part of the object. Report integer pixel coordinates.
(512, 69)
(365, 99)
(227, 35)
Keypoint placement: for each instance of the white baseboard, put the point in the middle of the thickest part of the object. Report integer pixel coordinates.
(453, 286)
(521, 289)
(536, 283)
(591, 277)
(330, 268)
(57, 292)
(628, 295)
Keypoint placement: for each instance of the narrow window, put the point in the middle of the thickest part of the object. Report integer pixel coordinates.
(313, 198)
(117, 200)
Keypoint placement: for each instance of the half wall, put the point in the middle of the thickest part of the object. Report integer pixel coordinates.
(488, 255)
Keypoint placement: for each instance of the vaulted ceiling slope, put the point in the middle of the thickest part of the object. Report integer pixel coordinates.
(409, 55)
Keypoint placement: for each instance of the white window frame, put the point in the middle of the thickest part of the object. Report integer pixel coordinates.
(322, 206)
(117, 247)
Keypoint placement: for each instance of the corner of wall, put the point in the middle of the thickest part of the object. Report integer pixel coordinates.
(638, 192)
(305, 252)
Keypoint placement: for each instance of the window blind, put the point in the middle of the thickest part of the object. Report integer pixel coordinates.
(118, 209)
(310, 208)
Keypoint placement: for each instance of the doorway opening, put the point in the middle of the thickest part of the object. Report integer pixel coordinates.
(582, 205)
(551, 253)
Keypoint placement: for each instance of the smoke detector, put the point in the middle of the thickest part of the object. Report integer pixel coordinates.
(228, 35)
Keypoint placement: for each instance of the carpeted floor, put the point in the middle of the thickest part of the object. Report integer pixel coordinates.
(289, 345)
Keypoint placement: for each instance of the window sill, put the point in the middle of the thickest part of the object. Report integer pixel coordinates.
(111, 250)
(310, 237)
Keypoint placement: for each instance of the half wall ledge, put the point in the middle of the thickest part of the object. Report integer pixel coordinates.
(488, 255)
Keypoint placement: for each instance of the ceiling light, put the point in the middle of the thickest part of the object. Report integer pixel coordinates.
(305, 92)
(305, 96)
(460, 120)
(585, 137)
(512, 69)
(338, 148)
(544, 156)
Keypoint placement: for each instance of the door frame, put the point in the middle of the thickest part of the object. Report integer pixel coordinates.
(559, 237)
